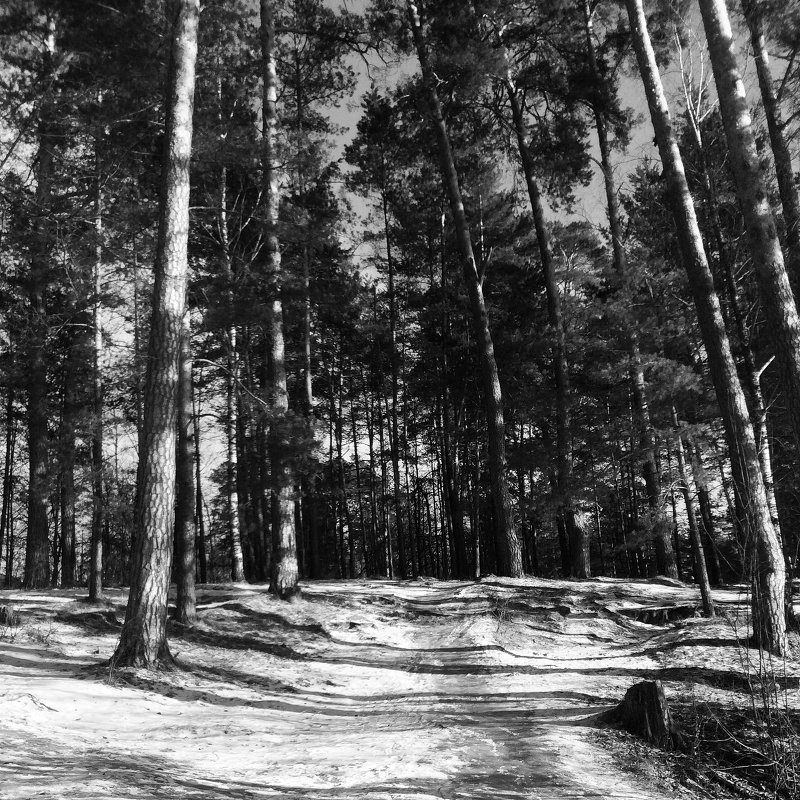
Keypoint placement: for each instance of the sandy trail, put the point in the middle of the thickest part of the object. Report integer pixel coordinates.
(362, 690)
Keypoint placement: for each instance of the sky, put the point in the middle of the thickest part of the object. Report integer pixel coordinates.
(590, 200)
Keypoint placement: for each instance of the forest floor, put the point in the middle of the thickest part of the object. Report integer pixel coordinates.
(367, 690)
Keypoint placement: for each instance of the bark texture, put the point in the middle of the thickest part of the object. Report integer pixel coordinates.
(644, 712)
(509, 552)
(784, 171)
(666, 563)
(143, 642)
(576, 537)
(185, 534)
(37, 551)
(98, 500)
(775, 291)
(769, 574)
(284, 575)
(698, 555)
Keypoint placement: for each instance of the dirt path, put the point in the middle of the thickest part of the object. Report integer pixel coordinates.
(362, 690)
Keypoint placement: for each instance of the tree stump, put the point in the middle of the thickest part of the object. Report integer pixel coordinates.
(9, 617)
(644, 712)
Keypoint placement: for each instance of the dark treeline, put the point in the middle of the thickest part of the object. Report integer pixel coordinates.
(471, 336)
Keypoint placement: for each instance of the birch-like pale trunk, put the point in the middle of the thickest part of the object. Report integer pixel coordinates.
(284, 575)
(98, 499)
(769, 624)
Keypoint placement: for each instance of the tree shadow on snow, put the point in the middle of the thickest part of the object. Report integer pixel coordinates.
(45, 769)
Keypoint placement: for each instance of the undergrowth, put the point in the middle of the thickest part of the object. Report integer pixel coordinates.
(9, 623)
(753, 749)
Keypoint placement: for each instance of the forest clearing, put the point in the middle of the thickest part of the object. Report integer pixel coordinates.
(368, 689)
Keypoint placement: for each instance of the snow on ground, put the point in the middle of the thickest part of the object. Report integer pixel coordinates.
(360, 690)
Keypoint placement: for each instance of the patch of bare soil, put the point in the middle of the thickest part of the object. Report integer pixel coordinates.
(370, 690)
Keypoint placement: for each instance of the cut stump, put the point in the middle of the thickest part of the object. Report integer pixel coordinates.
(9, 617)
(644, 712)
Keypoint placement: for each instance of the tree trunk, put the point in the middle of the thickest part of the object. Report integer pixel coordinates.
(451, 472)
(185, 534)
(507, 543)
(199, 516)
(578, 561)
(645, 712)
(98, 499)
(754, 11)
(706, 515)
(8, 480)
(768, 587)
(284, 544)
(37, 551)
(752, 386)
(700, 572)
(780, 312)
(143, 642)
(666, 563)
(394, 437)
(67, 465)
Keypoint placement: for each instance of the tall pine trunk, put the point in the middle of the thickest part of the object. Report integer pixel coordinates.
(780, 312)
(577, 540)
(185, 533)
(6, 521)
(236, 527)
(284, 544)
(203, 557)
(69, 415)
(451, 472)
(784, 171)
(769, 625)
(98, 500)
(143, 642)
(666, 563)
(509, 553)
(37, 551)
(698, 554)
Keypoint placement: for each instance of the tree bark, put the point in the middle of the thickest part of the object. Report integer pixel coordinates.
(451, 472)
(508, 547)
(666, 563)
(284, 543)
(394, 436)
(6, 532)
(575, 532)
(37, 550)
(698, 555)
(143, 642)
(780, 312)
(199, 516)
(769, 575)
(185, 534)
(236, 524)
(784, 171)
(67, 465)
(98, 499)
